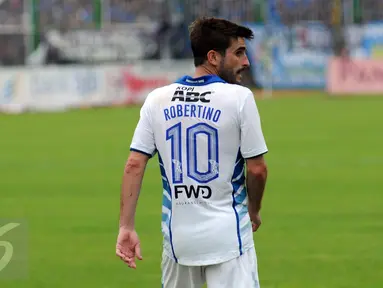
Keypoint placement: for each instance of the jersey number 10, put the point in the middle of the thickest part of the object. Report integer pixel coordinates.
(174, 134)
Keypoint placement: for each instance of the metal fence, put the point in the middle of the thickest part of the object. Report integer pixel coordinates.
(25, 24)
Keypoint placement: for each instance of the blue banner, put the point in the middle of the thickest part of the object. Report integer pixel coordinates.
(282, 58)
(373, 40)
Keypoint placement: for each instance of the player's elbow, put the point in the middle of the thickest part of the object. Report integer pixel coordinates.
(258, 171)
(135, 166)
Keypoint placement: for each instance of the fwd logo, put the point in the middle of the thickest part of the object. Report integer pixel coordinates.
(193, 191)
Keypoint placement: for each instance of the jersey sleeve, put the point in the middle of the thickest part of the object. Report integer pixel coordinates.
(143, 138)
(252, 140)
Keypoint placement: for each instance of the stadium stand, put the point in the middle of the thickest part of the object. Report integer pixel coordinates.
(66, 14)
(11, 12)
(372, 10)
(291, 12)
(170, 16)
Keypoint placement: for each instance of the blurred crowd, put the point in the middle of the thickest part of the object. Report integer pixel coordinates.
(292, 11)
(12, 48)
(372, 10)
(318, 10)
(66, 15)
(73, 14)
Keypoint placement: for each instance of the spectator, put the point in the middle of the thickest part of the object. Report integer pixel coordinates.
(11, 12)
(12, 50)
(12, 39)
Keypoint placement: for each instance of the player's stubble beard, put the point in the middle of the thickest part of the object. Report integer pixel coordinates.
(230, 75)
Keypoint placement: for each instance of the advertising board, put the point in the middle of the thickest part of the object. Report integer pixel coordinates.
(349, 76)
(57, 88)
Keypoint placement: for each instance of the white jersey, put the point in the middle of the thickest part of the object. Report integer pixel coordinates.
(203, 130)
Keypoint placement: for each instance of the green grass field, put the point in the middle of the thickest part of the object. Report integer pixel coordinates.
(322, 213)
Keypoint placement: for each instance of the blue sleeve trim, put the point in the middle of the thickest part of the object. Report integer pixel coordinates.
(257, 155)
(142, 152)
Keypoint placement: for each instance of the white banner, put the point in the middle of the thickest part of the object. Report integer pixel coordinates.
(56, 88)
(60, 88)
(13, 95)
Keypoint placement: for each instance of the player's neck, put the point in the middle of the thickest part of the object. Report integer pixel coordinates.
(204, 70)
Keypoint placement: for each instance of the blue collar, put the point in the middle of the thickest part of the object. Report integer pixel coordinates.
(200, 81)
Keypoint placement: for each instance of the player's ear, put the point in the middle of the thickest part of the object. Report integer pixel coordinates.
(214, 58)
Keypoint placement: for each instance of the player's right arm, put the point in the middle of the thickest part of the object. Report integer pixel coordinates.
(253, 147)
(128, 245)
(142, 148)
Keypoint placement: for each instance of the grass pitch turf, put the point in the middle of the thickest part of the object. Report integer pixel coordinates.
(322, 212)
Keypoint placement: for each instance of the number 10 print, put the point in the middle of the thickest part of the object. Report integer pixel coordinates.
(174, 134)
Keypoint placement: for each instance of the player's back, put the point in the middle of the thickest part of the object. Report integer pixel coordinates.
(197, 129)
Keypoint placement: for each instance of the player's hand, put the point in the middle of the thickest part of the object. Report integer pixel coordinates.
(255, 221)
(128, 246)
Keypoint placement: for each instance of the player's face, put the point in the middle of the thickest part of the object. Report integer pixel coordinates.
(234, 62)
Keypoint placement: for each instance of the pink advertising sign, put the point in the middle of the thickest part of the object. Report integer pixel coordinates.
(355, 76)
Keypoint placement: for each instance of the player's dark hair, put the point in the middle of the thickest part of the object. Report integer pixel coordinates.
(209, 33)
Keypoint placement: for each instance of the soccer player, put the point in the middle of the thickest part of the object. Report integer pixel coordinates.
(205, 128)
